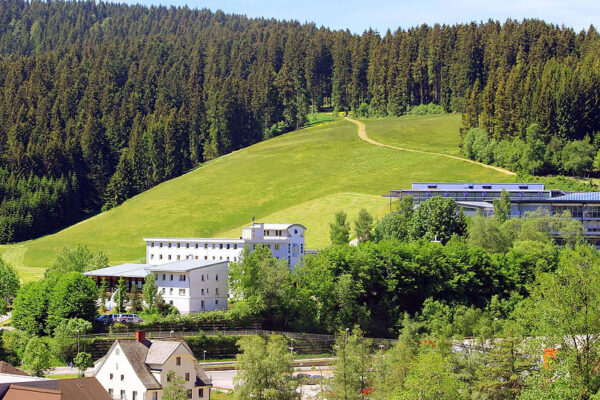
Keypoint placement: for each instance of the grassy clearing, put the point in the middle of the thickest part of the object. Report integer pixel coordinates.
(438, 133)
(63, 376)
(303, 176)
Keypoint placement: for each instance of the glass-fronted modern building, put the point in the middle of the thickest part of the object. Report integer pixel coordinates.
(524, 197)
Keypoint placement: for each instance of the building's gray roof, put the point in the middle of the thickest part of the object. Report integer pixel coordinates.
(578, 196)
(184, 265)
(276, 227)
(136, 353)
(160, 351)
(476, 204)
(193, 240)
(476, 186)
(201, 378)
(128, 270)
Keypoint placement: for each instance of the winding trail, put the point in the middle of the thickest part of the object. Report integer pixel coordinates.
(362, 133)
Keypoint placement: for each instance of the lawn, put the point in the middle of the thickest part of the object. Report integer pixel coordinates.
(438, 133)
(303, 176)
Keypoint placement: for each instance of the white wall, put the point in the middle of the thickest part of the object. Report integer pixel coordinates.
(118, 365)
(187, 365)
(204, 285)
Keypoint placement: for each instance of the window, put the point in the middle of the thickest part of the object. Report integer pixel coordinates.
(122, 395)
(111, 376)
(122, 377)
(155, 396)
(156, 276)
(201, 392)
(276, 247)
(228, 246)
(216, 277)
(160, 245)
(202, 304)
(221, 257)
(110, 392)
(178, 361)
(171, 276)
(202, 277)
(202, 291)
(206, 245)
(213, 257)
(160, 257)
(206, 290)
(221, 246)
(187, 245)
(235, 246)
(169, 257)
(169, 244)
(178, 257)
(213, 246)
(196, 257)
(163, 290)
(164, 277)
(216, 291)
(152, 256)
(206, 257)
(178, 245)
(182, 292)
(216, 302)
(187, 376)
(171, 302)
(134, 395)
(189, 393)
(171, 291)
(487, 186)
(182, 278)
(196, 245)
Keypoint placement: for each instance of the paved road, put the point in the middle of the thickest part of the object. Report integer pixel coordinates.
(224, 379)
(362, 133)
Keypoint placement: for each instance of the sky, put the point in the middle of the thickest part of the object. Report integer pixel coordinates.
(358, 16)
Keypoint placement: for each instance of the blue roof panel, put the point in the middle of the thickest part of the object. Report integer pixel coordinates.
(578, 196)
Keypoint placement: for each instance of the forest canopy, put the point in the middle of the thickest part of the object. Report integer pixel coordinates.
(101, 101)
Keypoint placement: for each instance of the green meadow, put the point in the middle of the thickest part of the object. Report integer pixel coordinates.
(303, 176)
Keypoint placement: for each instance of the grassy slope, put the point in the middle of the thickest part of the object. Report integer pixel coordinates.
(304, 176)
(438, 133)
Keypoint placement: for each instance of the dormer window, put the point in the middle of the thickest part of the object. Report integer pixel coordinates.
(487, 186)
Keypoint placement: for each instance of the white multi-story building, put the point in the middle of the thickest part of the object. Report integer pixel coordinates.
(193, 285)
(138, 369)
(189, 285)
(286, 242)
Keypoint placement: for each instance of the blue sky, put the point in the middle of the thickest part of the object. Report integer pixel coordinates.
(383, 14)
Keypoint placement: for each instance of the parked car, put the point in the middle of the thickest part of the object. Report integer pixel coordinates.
(128, 318)
(106, 319)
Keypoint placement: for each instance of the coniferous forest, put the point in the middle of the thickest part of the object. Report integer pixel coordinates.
(99, 102)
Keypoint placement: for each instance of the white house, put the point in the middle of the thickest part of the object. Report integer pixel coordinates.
(193, 285)
(137, 369)
(189, 285)
(286, 242)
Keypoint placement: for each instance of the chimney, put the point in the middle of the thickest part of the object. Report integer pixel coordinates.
(140, 336)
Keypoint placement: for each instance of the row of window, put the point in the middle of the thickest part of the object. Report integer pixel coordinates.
(182, 278)
(182, 291)
(134, 393)
(178, 257)
(206, 245)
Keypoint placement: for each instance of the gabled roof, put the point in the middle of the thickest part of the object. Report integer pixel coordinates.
(82, 389)
(22, 392)
(201, 378)
(6, 368)
(160, 351)
(136, 353)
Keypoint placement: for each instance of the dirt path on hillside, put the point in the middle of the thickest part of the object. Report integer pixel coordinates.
(362, 133)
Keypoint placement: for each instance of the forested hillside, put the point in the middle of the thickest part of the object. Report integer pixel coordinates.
(99, 102)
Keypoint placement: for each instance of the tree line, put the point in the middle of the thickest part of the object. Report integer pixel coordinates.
(114, 99)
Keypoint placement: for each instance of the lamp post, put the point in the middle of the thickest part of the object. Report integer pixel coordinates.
(204, 353)
(292, 347)
(77, 341)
